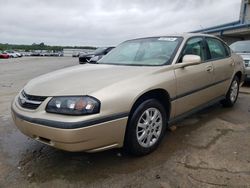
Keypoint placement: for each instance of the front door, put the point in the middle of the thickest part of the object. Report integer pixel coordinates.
(193, 82)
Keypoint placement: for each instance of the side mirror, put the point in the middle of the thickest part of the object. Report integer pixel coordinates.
(190, 60)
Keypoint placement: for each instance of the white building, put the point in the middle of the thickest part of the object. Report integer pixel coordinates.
(70, 51)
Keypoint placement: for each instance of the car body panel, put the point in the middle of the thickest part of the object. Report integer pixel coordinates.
(110, 75)
(4, 56)
(92, 138)
(185, 77)
(106, 91)
(246, 58)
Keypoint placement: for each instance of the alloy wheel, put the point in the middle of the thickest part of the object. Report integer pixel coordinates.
(234, 91)
(149, 127)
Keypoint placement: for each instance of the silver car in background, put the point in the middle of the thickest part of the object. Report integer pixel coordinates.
(242, 48)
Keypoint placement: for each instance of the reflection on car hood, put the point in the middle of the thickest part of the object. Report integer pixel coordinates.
(83, 80)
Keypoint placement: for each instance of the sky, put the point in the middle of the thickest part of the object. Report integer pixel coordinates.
(107, 22)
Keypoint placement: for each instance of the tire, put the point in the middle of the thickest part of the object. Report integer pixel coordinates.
(232, 93)
(143, 135)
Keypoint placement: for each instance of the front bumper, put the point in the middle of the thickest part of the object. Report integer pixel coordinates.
(105, 134)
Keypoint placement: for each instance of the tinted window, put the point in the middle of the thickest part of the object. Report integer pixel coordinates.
(216, 48)
(195, 46)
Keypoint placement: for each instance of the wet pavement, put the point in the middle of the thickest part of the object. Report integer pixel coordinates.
(209, 149)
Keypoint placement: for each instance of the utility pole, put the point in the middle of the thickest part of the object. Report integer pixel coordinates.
(245, 12)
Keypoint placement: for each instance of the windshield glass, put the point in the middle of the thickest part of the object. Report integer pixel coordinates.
(241, 46)
(99, 50)
(149, 52)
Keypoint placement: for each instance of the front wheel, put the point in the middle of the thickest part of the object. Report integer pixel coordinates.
(232, 93)
(146, 128)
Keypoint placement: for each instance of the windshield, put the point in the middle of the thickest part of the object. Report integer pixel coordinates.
(99, 50)
(149, 52)
(241, 46)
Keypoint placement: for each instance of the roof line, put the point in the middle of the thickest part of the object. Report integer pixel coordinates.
(225, 28)
(235, 23)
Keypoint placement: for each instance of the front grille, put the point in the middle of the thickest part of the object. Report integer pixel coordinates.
(30, 101)
(247, 63)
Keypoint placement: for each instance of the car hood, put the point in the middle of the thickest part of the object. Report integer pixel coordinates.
(245, 56)
(84, 79)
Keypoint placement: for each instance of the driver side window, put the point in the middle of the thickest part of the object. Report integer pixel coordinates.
(194, 46)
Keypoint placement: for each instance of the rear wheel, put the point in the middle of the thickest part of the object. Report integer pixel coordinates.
(146, 128)
(232, 93)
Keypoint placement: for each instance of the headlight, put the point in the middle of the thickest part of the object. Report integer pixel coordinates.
(73, 105)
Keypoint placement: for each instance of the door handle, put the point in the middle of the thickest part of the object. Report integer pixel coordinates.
(232, 63)
(209, 68)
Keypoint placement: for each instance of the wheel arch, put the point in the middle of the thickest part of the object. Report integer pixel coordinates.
(159, 94)
(239, 75)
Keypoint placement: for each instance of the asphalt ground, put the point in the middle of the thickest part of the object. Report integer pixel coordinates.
(208, 149)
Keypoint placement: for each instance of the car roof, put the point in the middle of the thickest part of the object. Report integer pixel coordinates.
(183, 35)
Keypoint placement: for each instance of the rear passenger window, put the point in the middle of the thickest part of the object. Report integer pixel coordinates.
(217, 49)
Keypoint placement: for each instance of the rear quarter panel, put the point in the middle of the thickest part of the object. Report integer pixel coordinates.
(239, 65)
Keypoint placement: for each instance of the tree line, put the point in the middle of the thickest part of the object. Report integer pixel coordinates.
(40, 46)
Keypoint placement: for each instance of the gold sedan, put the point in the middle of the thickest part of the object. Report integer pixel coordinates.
(130, 96)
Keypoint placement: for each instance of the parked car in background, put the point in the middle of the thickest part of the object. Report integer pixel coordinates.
(95, 56)
(35, 53)
(26, 53)
(55, 54)
(75, 54)
(82, 53)
(12, 53)
(4, 55)
(19, 54)
(130, 97)
(243, 49)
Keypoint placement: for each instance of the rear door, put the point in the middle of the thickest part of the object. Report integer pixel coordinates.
(223, 64)
(193, 82)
